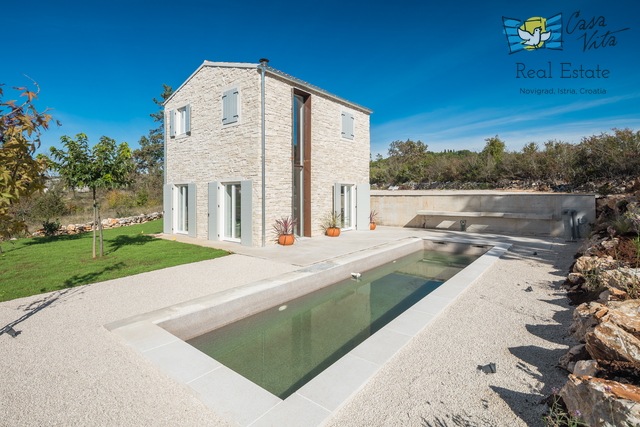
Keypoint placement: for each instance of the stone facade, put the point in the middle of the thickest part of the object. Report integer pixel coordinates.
(217, 152)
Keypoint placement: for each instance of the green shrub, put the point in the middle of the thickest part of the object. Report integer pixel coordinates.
(48, 205)
(50, 227)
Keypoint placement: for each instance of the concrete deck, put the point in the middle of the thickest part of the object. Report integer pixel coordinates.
(65, 368)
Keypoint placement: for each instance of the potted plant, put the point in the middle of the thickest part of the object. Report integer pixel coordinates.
(331, 224)
(283, 229)
(373, 215)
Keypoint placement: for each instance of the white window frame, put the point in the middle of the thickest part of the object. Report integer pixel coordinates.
(181, 209)
(351, 207)
(181, 121)
(223, 211)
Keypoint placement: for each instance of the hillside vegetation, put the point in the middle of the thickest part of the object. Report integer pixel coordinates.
(597, 158)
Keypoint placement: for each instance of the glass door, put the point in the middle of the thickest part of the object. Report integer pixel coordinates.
(182, 219)
(232, 210)
(298, 164)
(347, 206)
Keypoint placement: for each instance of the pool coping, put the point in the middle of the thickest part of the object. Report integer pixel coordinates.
(243, 403)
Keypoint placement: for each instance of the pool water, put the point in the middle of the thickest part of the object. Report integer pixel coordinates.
(283, 348)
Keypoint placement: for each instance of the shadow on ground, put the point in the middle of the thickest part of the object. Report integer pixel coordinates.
(128, 240)
(36, 306)
(455, 421)
(83, 279)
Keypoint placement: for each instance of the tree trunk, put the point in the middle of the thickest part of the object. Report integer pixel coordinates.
(95, 214)
(101, 240)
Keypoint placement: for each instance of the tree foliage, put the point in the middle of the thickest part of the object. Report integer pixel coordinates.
(107, 165)
(604, 156)
(149, 158)
(21, 175)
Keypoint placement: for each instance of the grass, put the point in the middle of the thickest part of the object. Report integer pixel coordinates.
(44, 264)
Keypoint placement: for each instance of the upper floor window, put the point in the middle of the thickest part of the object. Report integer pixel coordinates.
(180, 121)
(347, 125)
(230, 112)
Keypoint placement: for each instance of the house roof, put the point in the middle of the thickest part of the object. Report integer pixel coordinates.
(296, 81)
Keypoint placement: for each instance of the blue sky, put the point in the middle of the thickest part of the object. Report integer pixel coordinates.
(435, 72)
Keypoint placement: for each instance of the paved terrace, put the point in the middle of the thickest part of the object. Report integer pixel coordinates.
(66, 369)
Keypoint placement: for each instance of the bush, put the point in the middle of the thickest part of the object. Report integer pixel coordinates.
(120, 200)
(48, 205)
(50, 227)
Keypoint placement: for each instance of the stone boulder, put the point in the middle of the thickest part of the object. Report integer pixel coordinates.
(585, 319)
(623, 279)
(575, 354)
(602, 403)
(587, 368)
(608, 341)
(587, 264)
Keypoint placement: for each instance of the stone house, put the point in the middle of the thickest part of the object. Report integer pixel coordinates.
(247, 144)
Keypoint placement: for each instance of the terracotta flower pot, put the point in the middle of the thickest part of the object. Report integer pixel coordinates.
(286, 239)
(333, 232)
(372, 226)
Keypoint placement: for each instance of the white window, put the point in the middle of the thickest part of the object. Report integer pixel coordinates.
(182, 205)
(180, 121)
(347, 125)
(347, 207)
(231, 211)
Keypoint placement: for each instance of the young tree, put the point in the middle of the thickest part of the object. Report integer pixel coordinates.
(21, 175)
(106, 165)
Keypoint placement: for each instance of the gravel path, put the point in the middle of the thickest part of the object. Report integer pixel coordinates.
(65, 369)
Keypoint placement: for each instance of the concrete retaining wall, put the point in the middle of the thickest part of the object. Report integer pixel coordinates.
(400, 208)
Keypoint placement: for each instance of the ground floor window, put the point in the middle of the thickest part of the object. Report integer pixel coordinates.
(182, 208)
(232, 208)
(347, 206)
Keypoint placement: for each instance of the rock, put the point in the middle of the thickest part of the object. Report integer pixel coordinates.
(575, 277)
(576, 353)
(589, 243)
(612, 294)
(620, 278)
(602, 403)
(584, 320)
(611, 342)
(610, 243)
(585, 368)
(587, 264)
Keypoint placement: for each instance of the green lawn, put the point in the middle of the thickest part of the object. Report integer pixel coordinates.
(43, 264)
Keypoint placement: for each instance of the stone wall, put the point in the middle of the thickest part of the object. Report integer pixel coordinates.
(106, 224)
(215, 152)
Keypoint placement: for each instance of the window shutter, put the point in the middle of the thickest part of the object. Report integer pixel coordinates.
(167, 202)
(191, 209)
(230, 106)
(246, 214)
(347, 125)
(172, 124)
(213, 211)
(187, 125)
(363, 206)
(225, 107)
(351, 126)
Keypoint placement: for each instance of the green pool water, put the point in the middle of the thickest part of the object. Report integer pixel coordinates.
(283, 348)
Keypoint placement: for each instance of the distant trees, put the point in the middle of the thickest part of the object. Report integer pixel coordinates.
(604, 156)
(149, 158)
(21, 175)
(106, 165)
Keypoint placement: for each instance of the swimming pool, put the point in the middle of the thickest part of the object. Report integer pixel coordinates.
(160, 336)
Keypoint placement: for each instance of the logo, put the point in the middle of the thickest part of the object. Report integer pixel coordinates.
(534, 33)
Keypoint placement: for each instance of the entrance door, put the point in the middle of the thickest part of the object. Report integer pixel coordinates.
(231, 211)
(182, 204)
(347, 206)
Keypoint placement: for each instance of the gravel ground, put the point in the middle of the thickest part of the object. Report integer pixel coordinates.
(65, 369)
